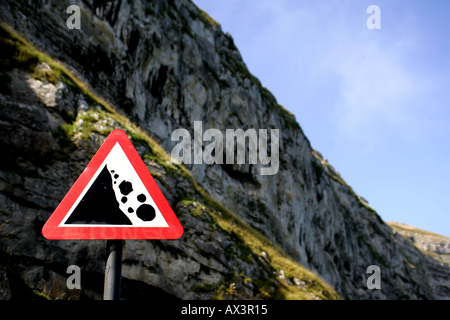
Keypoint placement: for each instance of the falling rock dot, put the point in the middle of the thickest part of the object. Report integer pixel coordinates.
(125, 187)
(112, 171)
(146, 212)
(124, 199)
(130, 210)
(116, 176)
(141, 197)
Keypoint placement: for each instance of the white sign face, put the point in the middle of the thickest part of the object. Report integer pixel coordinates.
(114, 197)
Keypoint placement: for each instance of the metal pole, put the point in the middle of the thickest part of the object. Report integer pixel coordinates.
(113, 270)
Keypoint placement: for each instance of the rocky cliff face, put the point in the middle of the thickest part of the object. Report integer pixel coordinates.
(437, 251)
(164, 65)
(51, 126)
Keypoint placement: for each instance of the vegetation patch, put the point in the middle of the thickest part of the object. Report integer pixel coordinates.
(236, 67)
(204, 17)
(257, 243)
(279, 260)
(88, 122)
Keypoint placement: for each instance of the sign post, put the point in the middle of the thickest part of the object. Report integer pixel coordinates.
(115, 198)
(113, 270)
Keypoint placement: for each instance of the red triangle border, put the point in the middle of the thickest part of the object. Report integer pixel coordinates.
(52, 231)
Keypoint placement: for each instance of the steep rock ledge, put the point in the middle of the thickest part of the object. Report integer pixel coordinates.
(437, 251)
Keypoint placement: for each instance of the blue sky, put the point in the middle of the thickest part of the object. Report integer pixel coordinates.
(375, 103)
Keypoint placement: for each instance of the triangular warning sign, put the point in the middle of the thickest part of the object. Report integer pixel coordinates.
(114, 198)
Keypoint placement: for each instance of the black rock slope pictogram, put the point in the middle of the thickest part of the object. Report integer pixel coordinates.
(99, 204)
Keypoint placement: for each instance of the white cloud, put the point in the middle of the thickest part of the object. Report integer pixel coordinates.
(375, 86)
(379, 92)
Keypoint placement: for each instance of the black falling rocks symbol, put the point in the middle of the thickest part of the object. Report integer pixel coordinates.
(99, 204)
(146, 212)
(125, 187)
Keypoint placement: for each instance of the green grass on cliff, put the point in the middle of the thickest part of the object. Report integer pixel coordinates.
(312, 286)
(105, 118)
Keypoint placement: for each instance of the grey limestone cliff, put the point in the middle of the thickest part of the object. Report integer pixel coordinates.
(437, 255)
(164, 65)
